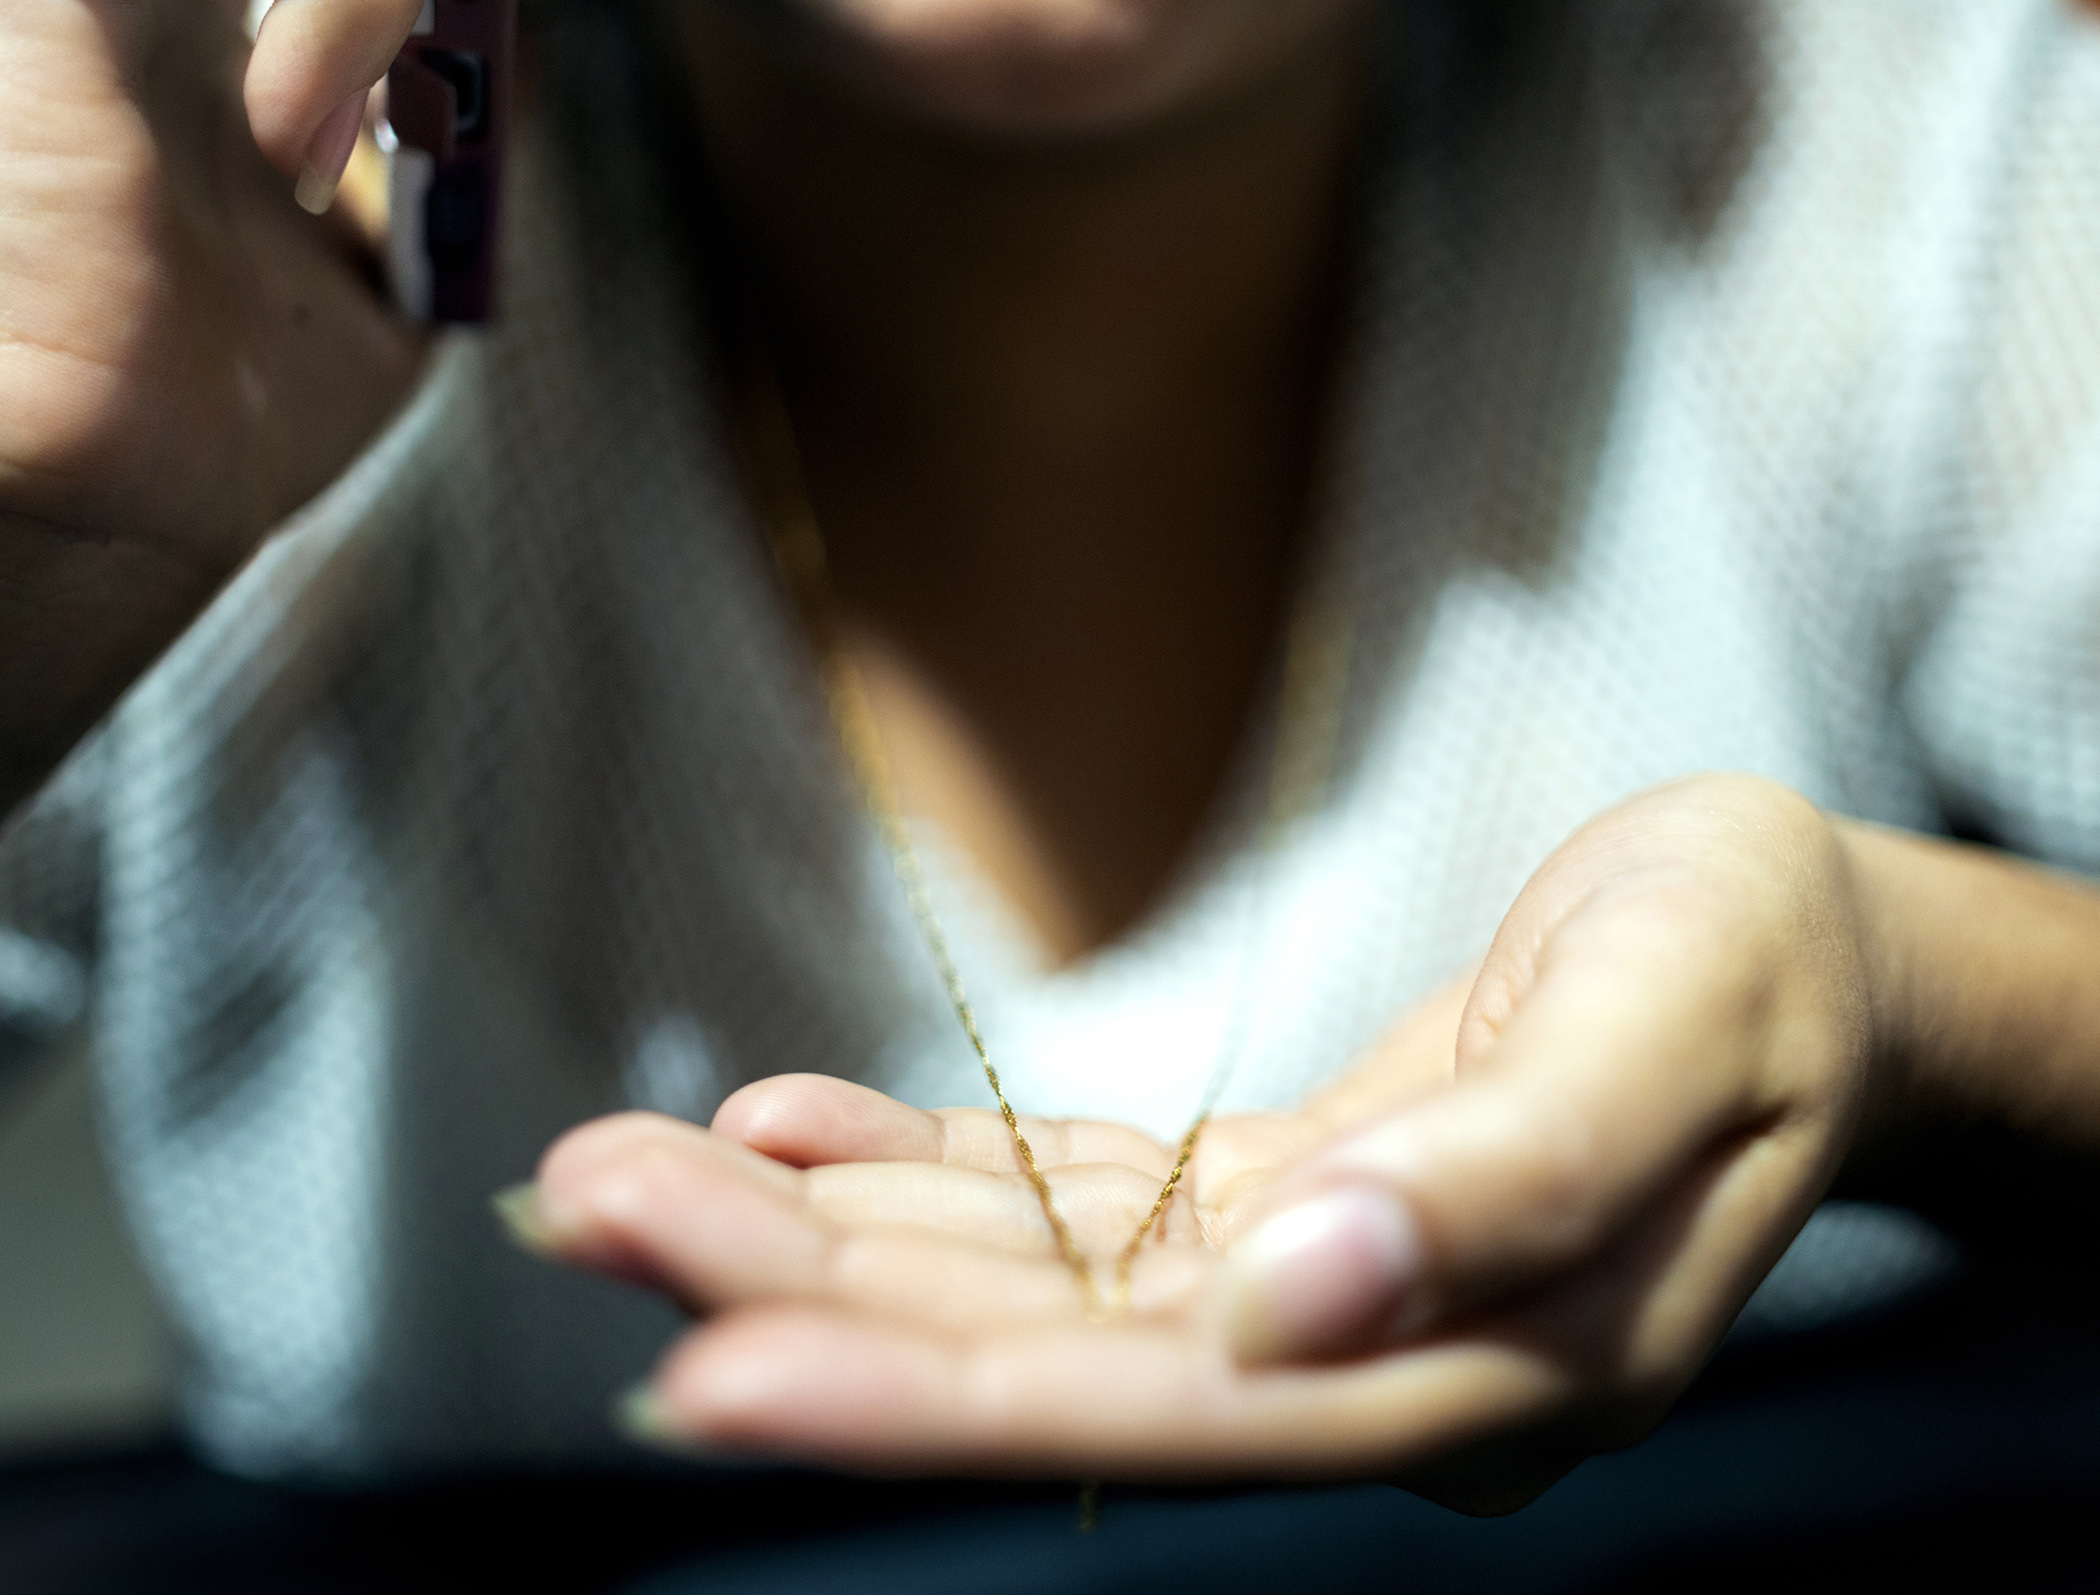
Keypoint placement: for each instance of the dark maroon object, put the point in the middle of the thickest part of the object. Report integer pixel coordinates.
(450, 94)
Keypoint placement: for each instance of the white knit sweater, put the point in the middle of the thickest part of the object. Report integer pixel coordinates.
(1728, 396)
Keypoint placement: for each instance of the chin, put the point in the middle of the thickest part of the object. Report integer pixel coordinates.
(1049, 67)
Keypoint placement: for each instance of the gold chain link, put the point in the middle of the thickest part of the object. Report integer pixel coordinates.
(1315, 670)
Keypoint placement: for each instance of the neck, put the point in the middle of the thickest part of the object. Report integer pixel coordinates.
(1045, 294)
(1058, 403)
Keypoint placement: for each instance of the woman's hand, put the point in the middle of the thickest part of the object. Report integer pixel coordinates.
(185, 355)
(1509, 1240)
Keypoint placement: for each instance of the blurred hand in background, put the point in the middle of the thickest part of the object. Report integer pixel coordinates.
(186, 356)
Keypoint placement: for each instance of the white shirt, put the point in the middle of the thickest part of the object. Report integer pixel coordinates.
(1727, 395)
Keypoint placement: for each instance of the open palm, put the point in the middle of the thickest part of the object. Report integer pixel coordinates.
(883, 1289)
(1508, 1240)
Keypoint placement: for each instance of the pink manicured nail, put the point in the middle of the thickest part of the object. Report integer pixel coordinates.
(328, 155)
(1322, 1275)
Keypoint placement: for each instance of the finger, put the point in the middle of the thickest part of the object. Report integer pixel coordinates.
(708, 1222)
(312, 59)
(659, 1202)
(1644, 1316)
(1162, 1400)
(1129, 1401)
(1242, 1157)
(805, 1120)
(1238, 1159)
(328, 155)
(628, 1188)
(1622, 1067)
(638, 1176)
(1100, 1204)
(978, 1138)
(712, 1224)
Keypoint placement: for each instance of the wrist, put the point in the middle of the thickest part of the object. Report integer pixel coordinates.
(80, 620)
(1898, 1097)
(1980, 974)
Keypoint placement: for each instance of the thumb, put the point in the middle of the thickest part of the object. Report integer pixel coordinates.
(1609, 1083)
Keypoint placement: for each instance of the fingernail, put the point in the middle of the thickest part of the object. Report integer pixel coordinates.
(641, 1416)
(328, 155)
(524, 1218)
(1322, 1276)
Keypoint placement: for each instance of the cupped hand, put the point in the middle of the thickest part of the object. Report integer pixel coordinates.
(1508, 1240)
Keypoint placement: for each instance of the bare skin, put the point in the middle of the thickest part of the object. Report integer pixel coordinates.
(185, 355)
(1052, 283)
(1507, 1241)
(1003, 238)
(1059, 399)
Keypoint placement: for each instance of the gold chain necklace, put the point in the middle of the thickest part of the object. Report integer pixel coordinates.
(1316, 662)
